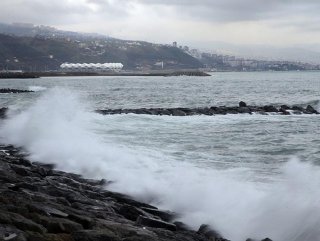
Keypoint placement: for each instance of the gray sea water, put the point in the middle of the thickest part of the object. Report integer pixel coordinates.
(247, 175)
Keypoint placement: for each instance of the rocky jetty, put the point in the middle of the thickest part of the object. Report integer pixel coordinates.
(13, 91)
(188, 73)
(18, 75)
(243, 108)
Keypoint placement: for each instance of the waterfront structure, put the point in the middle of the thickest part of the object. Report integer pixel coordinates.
(84, 67)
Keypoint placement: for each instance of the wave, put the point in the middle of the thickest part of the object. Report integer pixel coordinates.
(37, 88)
(58, 129)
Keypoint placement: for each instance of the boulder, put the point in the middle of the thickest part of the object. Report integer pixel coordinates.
(95, 235)
(163, 214)
(155, 223)
(310, 109)
(270, 108)
(3, 112)
(209, 233)
(177, 112)
(242, 104)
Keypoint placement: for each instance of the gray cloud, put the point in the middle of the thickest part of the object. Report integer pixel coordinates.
(243, 20)
(59, 11)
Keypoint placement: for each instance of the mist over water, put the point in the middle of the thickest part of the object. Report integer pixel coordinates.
(160, 160)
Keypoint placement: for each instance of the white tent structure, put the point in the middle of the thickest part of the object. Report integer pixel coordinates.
(84, 67)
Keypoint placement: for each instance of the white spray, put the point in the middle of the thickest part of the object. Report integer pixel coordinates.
(57, 129)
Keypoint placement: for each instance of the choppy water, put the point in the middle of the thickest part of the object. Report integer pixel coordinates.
(247, 175)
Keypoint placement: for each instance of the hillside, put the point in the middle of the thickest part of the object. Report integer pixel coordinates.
(40, 53)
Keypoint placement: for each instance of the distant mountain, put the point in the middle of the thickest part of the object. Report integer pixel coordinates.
(31, 30)
(39, 48)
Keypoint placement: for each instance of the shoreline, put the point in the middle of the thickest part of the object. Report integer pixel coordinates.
(32, 75)
(38, 202)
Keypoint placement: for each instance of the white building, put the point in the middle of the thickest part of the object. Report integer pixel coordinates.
(71, 67)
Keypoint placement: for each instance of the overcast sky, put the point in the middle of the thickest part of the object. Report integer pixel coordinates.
(270, 22)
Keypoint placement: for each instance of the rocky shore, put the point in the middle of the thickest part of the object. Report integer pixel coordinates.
(39, 203)
(243, 108)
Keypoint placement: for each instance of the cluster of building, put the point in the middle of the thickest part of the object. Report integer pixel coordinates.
(84, 67)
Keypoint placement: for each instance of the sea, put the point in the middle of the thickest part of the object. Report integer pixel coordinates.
(245, 175)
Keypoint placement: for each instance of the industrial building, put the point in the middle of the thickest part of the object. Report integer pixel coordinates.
(71, 67)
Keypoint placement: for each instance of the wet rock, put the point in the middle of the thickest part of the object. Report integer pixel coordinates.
(149, 222)
(20, 222)
(266, 239)
(181, 226)
(86, 222)
(164, 215)
(3, 113)
(242, 104)
(270, 108)
(297, 108)
(130, 212)
(49, 237)
(177, 112)
(10, 91)
(210, 233)
(11, 234)
(245, 110)
(95, 235)
(284, 107)
(46, 210)
(310, 109)
(59, 225)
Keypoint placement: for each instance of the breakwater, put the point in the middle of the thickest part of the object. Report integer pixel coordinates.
(11, 75)
(127, 73)
(243, 108)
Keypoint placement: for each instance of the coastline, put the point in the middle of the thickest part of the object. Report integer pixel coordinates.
(28, 75)
(38, 202)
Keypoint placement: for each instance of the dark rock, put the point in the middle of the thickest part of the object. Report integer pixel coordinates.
(284, 107)
(7, 91)
(3, 113)
(46, 210)
(245, 110)
(177, 112)
(11, 234)
(310, 109)
(164, 215)
(59, 225)
(20, 222)
(165, 112)
(49, 237)
(266, 239)
(270, 108)
(181, 226)
(86, 222)
(130, 212)
(95, 235)
(209, 233)
(284, 111)
(149, 222)
(242, 104)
